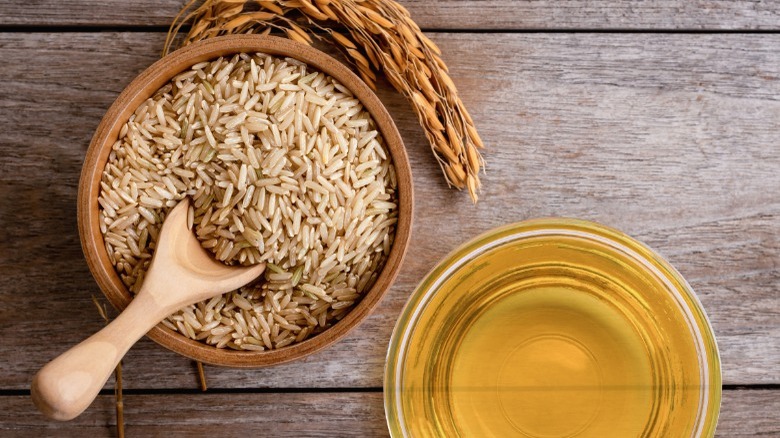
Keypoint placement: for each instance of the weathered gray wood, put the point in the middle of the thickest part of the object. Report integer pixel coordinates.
(444, 14)
(749, 413)
(743, 414)
(210, 415)
(671, 138)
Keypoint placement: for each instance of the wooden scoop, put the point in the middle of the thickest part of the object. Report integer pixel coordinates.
(181, 273)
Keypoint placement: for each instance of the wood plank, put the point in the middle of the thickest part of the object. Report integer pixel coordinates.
(744, 413)
(444, 14)
(671, 138)
(278, 415)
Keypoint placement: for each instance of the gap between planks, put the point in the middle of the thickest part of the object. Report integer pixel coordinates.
(44, 28)
(336, 390)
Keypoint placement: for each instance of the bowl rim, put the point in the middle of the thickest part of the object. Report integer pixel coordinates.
(699, 323)
(143, 87)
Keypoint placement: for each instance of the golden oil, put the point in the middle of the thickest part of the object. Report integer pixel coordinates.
(569, 331)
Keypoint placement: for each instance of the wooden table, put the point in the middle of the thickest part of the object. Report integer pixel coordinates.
(659, 118)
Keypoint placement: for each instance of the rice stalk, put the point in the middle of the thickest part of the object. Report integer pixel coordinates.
(201, 376)
(118, 403)
(376, 36)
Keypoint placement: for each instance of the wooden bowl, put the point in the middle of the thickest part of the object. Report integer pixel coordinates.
(143, 87)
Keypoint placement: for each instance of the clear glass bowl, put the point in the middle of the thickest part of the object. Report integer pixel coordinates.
(553, 327)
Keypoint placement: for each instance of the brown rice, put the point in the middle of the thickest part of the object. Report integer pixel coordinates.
(284, 166)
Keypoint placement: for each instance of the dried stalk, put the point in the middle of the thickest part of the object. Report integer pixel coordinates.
(120, 406)
(376, 36)
(201, 376)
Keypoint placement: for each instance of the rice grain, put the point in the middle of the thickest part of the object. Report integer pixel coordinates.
(284, 166)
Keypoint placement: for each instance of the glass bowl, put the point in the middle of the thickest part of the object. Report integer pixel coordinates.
(553, 327)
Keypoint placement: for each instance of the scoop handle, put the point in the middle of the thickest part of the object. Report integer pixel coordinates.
(67, 385)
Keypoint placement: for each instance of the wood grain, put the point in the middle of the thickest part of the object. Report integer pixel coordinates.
(743, 414)
(671, 138)
(278, 415)
(444, 14)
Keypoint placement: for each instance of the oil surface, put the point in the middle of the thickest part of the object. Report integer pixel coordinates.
(551, 361)
(550, 337)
